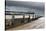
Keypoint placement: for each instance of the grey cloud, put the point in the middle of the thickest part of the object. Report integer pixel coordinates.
(38, 5)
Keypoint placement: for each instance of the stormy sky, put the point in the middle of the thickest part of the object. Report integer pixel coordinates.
(26, 6)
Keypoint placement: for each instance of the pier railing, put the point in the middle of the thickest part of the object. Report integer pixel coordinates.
(14, 21)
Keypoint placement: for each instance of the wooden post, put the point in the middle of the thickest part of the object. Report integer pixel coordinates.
(29, 18)
(23, 18)
(33, 15)
(12, 19)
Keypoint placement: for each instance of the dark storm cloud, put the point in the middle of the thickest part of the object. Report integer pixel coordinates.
(37, 5)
